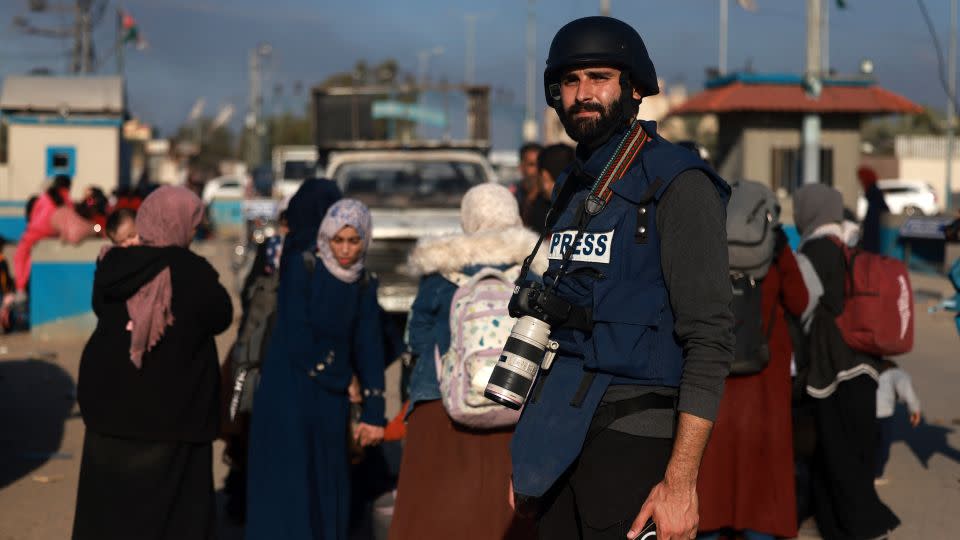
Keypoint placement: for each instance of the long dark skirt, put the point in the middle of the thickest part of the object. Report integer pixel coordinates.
(454, 482)
(298, 474)
(145, 490)
(846, 504)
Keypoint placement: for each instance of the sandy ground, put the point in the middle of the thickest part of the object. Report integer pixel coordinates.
(41, 431)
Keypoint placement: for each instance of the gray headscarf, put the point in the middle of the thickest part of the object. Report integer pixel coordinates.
(815, 205)
(343, 213)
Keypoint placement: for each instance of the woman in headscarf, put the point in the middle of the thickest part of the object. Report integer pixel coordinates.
(454, 480)
(840, 385)
(328, 328)
(149, 383)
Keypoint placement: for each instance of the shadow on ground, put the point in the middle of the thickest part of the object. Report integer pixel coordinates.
(36, 399)
(925, 440)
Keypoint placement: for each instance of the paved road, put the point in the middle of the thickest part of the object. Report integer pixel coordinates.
(41, 433)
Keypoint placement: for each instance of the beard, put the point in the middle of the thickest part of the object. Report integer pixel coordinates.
(592, 131)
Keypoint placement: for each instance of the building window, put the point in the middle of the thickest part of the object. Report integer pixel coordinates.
(787, 173)
(61, 160)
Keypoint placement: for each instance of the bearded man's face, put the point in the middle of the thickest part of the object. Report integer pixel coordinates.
(590, 100)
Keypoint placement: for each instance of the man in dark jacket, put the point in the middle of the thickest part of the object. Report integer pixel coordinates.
(876, 209)
(551, 163)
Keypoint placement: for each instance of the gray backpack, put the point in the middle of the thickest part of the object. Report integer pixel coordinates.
(752, 214)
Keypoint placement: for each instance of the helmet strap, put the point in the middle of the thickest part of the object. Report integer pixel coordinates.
(628, 105)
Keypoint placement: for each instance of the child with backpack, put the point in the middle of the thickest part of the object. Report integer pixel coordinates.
(454, 477)
(895, 385)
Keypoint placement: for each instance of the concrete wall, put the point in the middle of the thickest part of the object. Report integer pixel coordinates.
(746, 143)
(98, 157)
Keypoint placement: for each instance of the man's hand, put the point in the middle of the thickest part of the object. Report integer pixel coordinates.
(915, 419)
(673, 503)
(675, 510)
(368, 435)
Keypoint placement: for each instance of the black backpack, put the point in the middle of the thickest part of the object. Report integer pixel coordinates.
(253, 337)
(752, 353)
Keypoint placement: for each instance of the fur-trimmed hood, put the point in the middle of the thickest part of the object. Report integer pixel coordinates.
(451, 253)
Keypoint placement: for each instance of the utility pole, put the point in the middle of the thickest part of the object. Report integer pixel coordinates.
(825, 39)
(471, 50)
(605, 8)
(87, 14)
(530, 116)
(83, 47)
(724, 14)
(813, 83)
(951, 111)
(120, 37)
(256, 143)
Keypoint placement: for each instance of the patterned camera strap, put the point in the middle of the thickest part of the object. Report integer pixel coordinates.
(627, 151)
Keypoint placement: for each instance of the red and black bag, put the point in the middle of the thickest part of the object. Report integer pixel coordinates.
(878, 314)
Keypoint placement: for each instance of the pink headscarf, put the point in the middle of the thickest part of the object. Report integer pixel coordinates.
(168, 217)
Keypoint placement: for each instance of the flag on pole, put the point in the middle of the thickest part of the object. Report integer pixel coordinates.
(131, 31)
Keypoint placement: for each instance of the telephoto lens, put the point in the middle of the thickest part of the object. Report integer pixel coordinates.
(524, 351)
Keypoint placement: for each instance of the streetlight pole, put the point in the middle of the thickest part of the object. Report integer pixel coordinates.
(471, 51)
(811, 122)
(951, 110)
(605, 8)
(530, 118)
(724, 14)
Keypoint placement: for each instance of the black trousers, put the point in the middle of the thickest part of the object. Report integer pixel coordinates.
(601, 494)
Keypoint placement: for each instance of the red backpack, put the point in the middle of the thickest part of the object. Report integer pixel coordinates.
(878, 310)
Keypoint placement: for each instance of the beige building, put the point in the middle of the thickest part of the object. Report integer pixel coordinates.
(760, 127)
(63, 125)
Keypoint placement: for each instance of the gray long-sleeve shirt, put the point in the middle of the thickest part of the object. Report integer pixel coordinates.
(691, 223)
(895, 383)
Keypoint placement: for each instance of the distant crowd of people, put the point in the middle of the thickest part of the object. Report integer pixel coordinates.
(805, 432)
(53, 214)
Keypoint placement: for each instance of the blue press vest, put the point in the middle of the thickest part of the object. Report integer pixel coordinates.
(615, 270)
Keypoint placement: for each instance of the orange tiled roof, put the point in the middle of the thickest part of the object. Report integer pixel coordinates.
(739, 96)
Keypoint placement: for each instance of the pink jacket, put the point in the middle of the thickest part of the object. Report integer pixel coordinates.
(38, 228)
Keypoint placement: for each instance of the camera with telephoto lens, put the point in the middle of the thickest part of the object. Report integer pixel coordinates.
(529, 347)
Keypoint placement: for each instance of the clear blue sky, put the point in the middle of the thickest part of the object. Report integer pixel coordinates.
(199, 47)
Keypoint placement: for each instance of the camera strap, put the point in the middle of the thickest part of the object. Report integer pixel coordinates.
(600, 194)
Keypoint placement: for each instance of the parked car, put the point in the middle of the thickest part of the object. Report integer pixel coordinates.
(223, 187)
(904, 196)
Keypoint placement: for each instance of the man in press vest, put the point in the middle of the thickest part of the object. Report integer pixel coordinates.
(637, 298)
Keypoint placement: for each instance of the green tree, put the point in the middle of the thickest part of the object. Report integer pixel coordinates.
(290, 129)
(215, 144)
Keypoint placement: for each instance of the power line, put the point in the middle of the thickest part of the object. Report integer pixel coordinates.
(940, 63)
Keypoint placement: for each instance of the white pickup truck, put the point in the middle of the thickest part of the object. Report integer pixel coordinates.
(291, 166)
(412, 193)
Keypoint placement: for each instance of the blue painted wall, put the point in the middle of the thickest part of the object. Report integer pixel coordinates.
(925, 255)
(226, 212)
(12, 227)
(12, 220)
(59, 290)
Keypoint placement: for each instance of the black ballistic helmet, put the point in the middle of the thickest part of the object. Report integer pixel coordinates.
(593, 41)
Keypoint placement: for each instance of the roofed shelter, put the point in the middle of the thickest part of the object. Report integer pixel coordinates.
(63, 125)
(760, 127)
